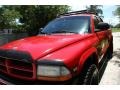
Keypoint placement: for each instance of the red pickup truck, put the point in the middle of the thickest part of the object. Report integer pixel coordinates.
(70, 50)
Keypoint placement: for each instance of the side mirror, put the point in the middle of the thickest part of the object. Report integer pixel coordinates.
(103, 26)
(40, 30)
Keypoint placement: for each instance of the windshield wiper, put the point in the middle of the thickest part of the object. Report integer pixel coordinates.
(43, 33)
(64, 32)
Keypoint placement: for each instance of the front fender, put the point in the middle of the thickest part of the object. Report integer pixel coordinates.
(85, 56)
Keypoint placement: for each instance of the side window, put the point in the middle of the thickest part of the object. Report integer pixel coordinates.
(96, 21)
(100, 20)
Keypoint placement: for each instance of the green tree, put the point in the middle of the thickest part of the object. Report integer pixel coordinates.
(96, 9)
(8, 18)
(117, 26)
(35, 17)
(31, 17)
(117, 12)
(1, 18)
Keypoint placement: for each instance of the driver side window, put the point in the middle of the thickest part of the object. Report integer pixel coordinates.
(96, 21)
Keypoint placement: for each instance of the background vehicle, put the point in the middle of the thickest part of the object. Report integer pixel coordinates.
(70, 50)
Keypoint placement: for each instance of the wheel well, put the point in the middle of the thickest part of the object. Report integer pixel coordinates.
(91, 60)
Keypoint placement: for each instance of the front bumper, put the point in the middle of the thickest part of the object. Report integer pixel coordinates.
(8, 80)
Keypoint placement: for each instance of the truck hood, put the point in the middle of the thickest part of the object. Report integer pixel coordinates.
(39, 46)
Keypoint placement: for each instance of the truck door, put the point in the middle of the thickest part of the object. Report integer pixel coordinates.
(103, 38)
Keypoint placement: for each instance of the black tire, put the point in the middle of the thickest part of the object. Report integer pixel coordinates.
(92, 76)
(110, 52)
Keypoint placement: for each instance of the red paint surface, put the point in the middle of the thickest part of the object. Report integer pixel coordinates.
(71, 49)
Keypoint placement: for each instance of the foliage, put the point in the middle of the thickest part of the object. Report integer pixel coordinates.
(30, 17)
(8, 18)
(96, 9)
(117, 26)
(117, 12)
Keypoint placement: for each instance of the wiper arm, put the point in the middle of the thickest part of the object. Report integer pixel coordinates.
(43, 33)
(59, 32)
(64, 32)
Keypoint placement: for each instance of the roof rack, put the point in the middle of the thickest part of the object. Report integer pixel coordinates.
(78, 12)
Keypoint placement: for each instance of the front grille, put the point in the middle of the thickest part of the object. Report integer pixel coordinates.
(17, 68)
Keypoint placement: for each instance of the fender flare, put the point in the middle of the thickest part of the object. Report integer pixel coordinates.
(85, 56)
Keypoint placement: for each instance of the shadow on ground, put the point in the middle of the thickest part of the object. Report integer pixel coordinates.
(117, 55)
(115, 61)
(102, 70)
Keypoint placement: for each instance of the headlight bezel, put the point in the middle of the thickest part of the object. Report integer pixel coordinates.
(59, 64)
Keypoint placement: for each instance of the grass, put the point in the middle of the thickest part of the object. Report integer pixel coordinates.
(115, 29)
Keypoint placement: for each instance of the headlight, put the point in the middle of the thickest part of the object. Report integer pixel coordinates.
(52, 72)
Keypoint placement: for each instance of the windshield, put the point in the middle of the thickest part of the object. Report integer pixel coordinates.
(73, 24)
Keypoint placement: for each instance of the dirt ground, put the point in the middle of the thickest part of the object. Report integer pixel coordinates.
(111, 75)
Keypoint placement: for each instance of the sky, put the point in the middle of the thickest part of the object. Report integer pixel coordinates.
(108, 11)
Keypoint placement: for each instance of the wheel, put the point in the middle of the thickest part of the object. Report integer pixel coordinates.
(89, 76)
(110, 51)
(92, 76)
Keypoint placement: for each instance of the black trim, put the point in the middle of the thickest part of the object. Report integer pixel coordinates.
(51, 63)
(16, 55)
(78, 12)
